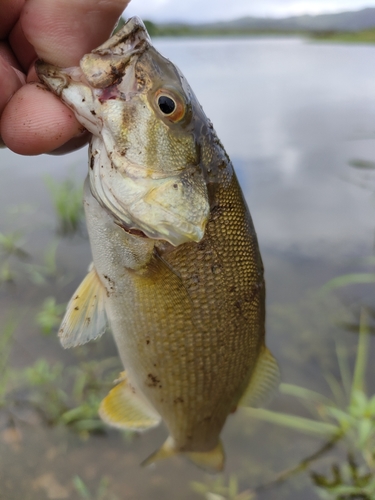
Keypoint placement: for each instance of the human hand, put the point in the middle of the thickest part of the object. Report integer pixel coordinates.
(33, 120)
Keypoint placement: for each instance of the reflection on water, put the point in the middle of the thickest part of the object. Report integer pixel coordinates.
(293, 116)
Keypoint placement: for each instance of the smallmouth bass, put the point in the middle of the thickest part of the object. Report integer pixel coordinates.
(177, 272)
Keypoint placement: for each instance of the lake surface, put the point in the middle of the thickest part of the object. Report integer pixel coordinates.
(297, 120)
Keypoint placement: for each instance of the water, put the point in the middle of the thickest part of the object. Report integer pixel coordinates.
(292, 115)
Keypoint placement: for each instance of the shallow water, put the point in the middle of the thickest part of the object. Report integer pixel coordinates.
(292, 115)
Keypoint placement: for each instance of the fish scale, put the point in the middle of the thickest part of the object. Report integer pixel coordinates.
(177, 273)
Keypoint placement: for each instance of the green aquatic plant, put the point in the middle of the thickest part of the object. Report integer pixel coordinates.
(217, 489)
(347, 481)
(102, 492)
(67, 200)
(11, 251)
(6, 337)
(70, 396)
(50, 315)
(46, 392)
(348, 417)
(39, 273)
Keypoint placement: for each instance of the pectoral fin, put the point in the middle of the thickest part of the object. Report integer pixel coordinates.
(211, 461)
(264, 381)
(125, 409)
(85, 318)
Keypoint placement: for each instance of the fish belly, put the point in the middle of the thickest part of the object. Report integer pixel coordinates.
(188, 323)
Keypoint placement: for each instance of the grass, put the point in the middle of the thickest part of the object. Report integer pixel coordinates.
(11, 252)
(348, 418)
(50, 315)
(217, 489)
(70, 396)
(67, 200)
(6, 338)
(102, 492)
(365, 36)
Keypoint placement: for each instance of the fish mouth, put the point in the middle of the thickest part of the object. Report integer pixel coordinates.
(103, 66)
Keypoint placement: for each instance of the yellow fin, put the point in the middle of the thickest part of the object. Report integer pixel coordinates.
(211, 461)
(125, 409)
(264, 381)
(85, 318)
(165, 451)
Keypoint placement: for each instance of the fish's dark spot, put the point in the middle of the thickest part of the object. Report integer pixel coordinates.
(76, 308)
(88, 320)
(175, 186)
(160, 386)
(215, 269)
(238, 304)
(153, 381)
(147, 341)
(155, 365)
(92, 162)
(76, 297)
(83, 99)
(207, 419)
(92, 112)
(179, 399)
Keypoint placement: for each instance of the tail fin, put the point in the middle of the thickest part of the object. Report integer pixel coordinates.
(211, 461)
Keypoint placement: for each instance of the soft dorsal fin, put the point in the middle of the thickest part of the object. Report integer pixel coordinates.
(85, 318)
(125, 409)
(264, 381)
(211, 461)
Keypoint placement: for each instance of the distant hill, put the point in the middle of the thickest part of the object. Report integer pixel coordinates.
(343, 21)
(352, 21)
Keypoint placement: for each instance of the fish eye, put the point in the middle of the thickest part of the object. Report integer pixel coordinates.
(166, 105)
(170, 104)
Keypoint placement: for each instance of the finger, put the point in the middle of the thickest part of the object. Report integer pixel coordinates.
(7, 54)
(35, 121)
(63, 31)
(21, 47)
(10, 82)
(10, 12)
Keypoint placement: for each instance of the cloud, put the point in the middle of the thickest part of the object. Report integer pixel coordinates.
(206, 10)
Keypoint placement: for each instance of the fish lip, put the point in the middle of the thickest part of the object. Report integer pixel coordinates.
(52, 76)
(105, 65)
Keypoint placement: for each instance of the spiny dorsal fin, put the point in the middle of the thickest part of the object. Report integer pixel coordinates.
(211, 461)
(125, 409)
(264, 381)
(85, 318)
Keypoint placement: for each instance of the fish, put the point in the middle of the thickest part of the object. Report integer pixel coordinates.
(177, 273)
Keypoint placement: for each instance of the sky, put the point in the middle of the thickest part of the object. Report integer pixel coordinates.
(214, 10)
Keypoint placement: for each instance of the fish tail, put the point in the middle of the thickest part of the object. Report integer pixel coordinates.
(211, 461)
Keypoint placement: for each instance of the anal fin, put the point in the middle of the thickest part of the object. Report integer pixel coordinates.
(264, 381)
(211, 461)
(85, 318)
(125, 409)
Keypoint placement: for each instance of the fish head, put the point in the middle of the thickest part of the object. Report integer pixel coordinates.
(150, 152)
